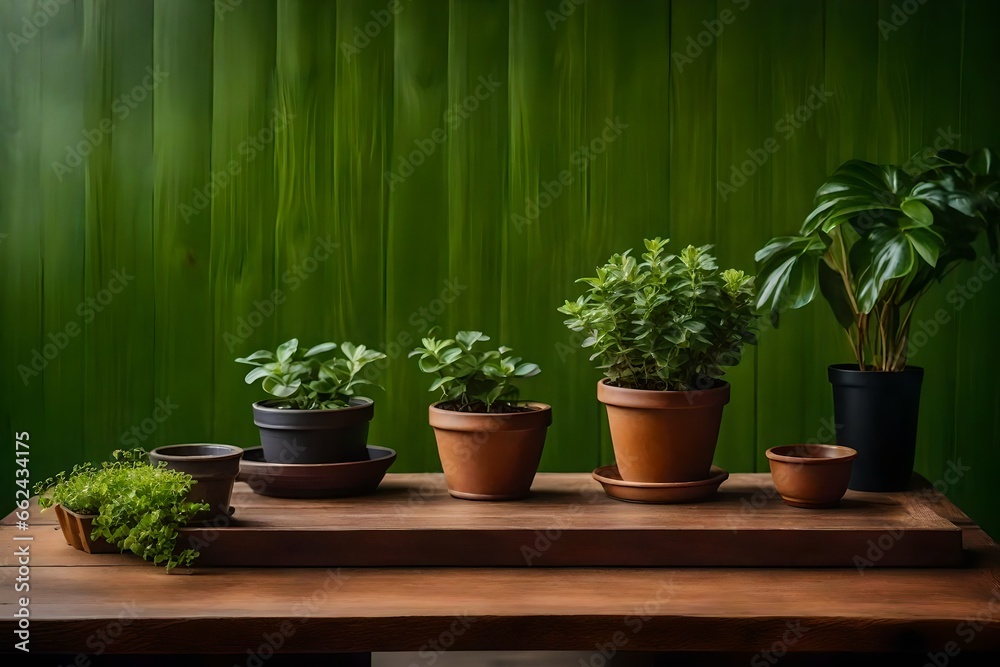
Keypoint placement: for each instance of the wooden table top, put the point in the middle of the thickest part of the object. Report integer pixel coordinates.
(568, 520)
(75, 597)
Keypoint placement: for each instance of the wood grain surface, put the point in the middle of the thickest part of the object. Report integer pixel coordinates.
(569, 521)
(75, 597)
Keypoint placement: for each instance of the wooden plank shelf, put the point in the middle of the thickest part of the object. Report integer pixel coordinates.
(568, 521)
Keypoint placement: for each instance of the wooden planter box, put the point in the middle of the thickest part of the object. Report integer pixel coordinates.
(76, 529)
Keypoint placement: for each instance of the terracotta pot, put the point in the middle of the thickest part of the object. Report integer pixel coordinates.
(76, 528)
(213, 467)
(490, 456)
(664, 436)
(314, 436)
(811, 476)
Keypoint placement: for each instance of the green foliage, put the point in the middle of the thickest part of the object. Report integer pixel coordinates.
(669, 322)
(73, 490)
(475, 381)
(139, 507)
(904, 232)
(304, 381)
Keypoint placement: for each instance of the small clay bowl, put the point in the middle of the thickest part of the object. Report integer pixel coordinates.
(811, 476)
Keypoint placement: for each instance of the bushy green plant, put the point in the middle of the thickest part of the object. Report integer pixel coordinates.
(878, 238)
(304, 381)
(73, 490)
(668, 322)
(139, 507)
(472, 380)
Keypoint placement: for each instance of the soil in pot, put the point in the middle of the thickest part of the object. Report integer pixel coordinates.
(213, 466)
(811, 476)
(876, 414)
(314, 436)
(490, 456)
(664, 436)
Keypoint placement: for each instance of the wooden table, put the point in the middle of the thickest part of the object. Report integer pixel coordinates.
(78, 601)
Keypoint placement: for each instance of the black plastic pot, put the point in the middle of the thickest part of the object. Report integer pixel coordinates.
(213, 467)
(314, 436)
(876, 413)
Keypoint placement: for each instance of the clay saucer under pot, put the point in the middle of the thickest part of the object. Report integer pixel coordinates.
(811, 476)
(315, 480)
(659, 492)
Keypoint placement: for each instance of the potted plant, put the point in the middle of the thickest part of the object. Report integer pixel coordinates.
(126, 505)
(72, 496)
(213, 467)
(663, 329)
(315, 416)
(877, 240)
(489, 442)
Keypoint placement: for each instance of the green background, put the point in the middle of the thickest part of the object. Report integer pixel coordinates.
(356, 108)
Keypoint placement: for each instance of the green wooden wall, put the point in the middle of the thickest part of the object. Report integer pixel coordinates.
(260, 169)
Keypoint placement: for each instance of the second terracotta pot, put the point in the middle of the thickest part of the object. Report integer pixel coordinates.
(490, 456)
(664, 436)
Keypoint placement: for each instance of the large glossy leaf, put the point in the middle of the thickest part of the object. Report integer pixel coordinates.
(287, 349)
(917, 213)
(926, 242)
(884, 255)
(854, 188)
(831, 284)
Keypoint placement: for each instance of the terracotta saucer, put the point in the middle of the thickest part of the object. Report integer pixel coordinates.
(664, 492)
(314, 480)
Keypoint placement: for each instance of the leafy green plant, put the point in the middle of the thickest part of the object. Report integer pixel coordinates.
(74, 490)
(877, 239)
(668, 322)
(472, 380)
(139, 507)
(304, 381)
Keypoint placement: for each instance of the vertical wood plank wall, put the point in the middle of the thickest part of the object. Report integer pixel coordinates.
(339, 170)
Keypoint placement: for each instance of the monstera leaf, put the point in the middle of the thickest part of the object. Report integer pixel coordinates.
(904, 231)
